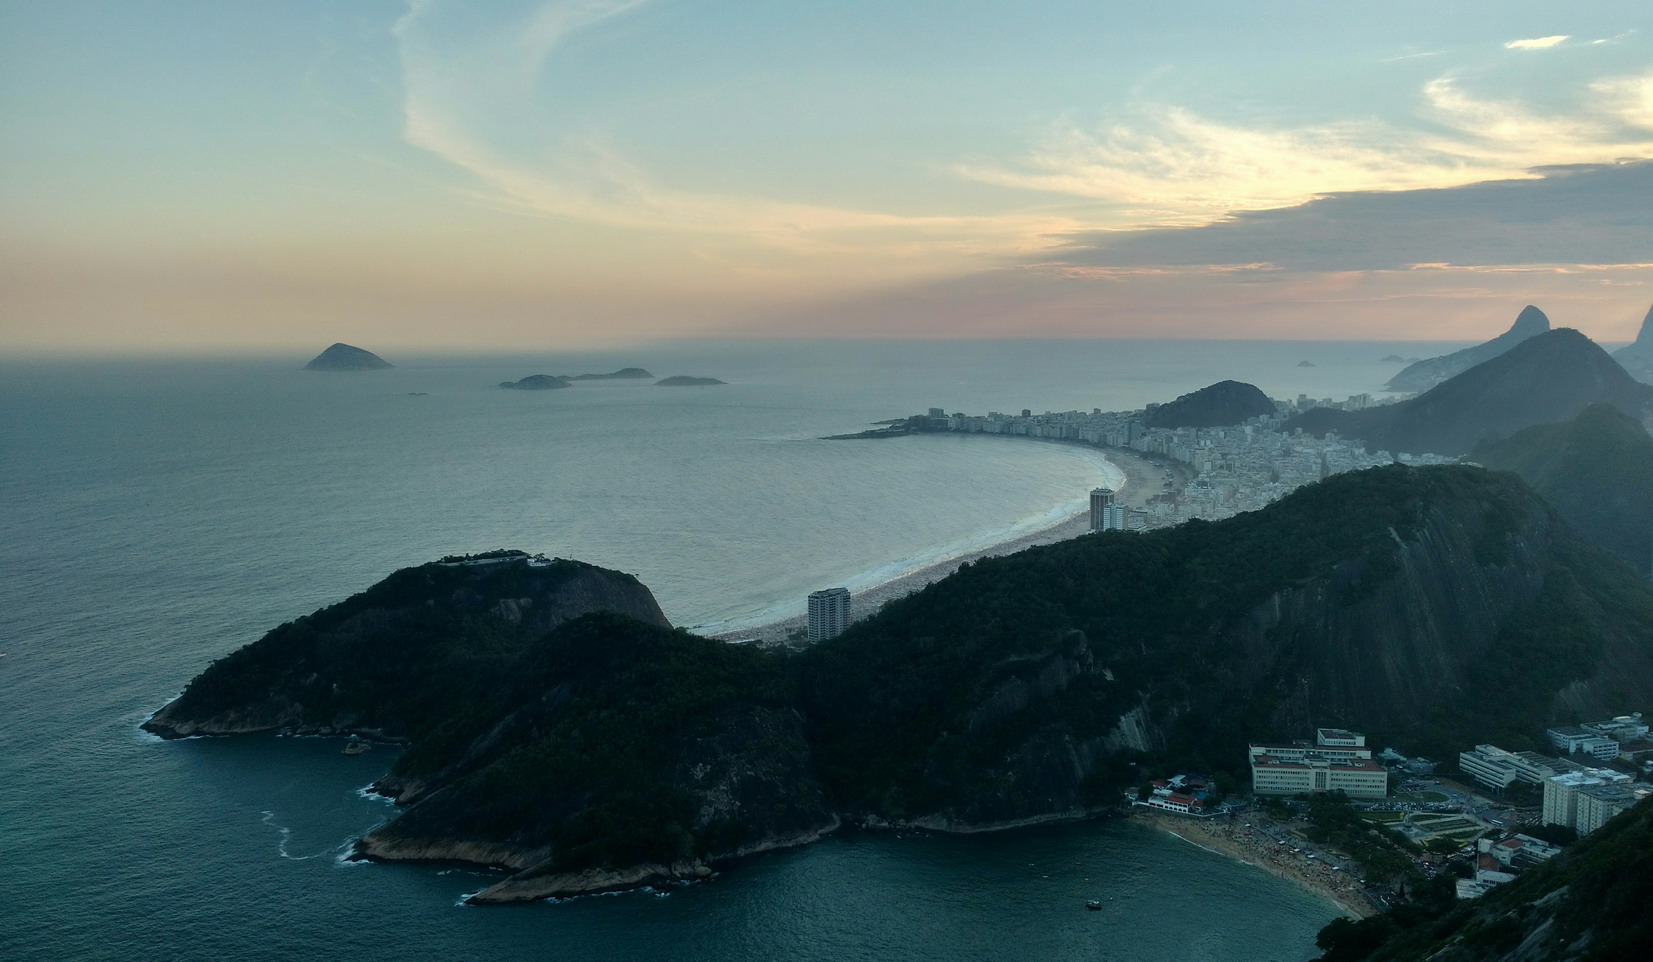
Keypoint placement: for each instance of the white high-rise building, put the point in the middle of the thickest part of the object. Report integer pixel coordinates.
(828, 613)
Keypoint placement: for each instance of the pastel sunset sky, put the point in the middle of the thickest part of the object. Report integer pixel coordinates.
(249, 176)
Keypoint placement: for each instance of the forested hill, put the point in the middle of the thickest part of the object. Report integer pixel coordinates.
(1589, 904)
(1597, 469)
(1432, 607)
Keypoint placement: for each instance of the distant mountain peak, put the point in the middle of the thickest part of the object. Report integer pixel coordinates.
(1529, 322)
(1425, 374)
(1637, 358)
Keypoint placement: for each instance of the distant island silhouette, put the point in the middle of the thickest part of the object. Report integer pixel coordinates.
(344, 357)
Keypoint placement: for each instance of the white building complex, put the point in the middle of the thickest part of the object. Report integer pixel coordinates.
(1585, 800)
(1337, 760)
(828, 613)
(1499, 769)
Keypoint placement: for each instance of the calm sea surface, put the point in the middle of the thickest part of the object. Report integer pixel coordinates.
(156, 515)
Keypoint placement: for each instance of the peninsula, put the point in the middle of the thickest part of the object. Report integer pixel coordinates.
(560, 730)
(344, 357)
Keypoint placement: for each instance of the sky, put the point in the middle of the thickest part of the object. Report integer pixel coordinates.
(194, 176)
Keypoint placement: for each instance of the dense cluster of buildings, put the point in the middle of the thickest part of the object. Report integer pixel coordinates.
(1578, 792)
(1234, 469)
(1180, 794)
(1337, 760)
(1499, 861)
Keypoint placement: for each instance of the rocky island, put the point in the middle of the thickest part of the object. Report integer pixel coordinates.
(343, 357)
(536, 382)
(684, 381)
(623, 374)
(560, 730)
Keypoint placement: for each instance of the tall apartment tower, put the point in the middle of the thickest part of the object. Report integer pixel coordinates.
(828, 613)
(1101, 501)
(1105, 514)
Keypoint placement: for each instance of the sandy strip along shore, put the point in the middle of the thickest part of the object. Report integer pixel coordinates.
(1143, 480)
(1228, 836)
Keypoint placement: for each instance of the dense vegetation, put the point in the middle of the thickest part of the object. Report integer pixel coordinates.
(1597, 469)
(1218, 405)
(1589, 904)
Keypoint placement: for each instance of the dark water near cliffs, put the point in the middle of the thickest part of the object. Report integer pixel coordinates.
(159, 514)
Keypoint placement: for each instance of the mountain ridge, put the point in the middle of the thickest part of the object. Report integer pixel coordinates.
(1544, 379)
(1422, 375)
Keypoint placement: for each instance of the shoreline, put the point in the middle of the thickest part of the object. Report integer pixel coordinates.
(1258, 850)
(1143, 480)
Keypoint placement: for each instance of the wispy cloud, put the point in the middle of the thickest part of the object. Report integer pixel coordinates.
(1195, 169)
(1537, 43)
(463, 87)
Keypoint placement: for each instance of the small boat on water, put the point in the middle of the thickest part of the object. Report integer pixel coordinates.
(1095, 905)
(355, 746)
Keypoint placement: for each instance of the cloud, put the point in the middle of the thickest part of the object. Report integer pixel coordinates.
(1580, 215)
(1193, 169)
(472, 96)
(1537, 43)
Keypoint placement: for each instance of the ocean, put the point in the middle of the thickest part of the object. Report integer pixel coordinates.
(159, 513)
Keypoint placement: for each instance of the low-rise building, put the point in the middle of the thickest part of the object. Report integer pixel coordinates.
(1499, 769)
(1338, 761)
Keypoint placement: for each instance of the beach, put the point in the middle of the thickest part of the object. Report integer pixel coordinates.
(1256, 846)
(1143, 480)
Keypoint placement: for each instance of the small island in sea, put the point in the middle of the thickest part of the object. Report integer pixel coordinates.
(623, 374)
(536, 382)
(683, 381)
(344, 357)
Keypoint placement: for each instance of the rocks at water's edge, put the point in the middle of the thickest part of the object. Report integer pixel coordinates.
(344, 357)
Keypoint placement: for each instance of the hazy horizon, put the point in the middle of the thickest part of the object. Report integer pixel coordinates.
(429, 175)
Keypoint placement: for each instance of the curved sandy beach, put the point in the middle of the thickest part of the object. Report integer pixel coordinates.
(1226, 837)
(1143, 480)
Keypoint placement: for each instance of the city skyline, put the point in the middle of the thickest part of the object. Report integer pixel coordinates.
(191, 177)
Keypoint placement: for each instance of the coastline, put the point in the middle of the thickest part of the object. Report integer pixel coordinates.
(1257, 849)
(1143, 480)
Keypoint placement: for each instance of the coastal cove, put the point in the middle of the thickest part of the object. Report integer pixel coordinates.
(193, 506)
